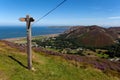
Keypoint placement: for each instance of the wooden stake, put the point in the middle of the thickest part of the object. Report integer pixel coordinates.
(28, 21)
(29, 51)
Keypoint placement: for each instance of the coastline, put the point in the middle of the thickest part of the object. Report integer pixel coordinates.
(19, 38)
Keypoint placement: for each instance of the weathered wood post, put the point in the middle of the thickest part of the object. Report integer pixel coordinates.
(28, 21)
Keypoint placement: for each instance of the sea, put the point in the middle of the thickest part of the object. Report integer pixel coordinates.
(7, 32)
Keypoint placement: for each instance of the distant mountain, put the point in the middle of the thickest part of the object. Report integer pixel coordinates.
(95, 36)
(116, 30)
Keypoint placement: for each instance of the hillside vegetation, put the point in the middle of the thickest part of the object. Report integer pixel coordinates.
(94, 36)
(46, 67)
(93, 41)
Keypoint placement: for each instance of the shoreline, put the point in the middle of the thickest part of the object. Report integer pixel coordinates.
(19, 38)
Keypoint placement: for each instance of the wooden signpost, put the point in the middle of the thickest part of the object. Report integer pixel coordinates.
(28, 21)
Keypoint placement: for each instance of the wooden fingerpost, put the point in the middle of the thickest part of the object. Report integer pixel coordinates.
(28, 21)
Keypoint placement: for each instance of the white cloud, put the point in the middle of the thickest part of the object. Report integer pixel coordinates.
(115, 17)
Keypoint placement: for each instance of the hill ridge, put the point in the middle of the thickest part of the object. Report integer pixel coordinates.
(95, 36)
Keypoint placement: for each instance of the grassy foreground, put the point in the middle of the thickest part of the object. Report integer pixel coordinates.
(13, 67)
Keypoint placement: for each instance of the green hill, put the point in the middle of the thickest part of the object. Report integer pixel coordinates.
(46, 67)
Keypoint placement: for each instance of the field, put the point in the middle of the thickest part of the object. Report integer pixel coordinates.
(13, 66)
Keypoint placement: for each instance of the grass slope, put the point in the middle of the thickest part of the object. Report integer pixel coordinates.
(13, 63)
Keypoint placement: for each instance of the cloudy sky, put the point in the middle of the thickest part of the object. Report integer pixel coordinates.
(72, 12)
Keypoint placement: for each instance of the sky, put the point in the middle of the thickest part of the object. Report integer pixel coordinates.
(72, 12)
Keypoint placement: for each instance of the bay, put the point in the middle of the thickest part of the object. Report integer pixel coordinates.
(20, 31)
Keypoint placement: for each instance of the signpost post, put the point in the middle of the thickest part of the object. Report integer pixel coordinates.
(28, 21)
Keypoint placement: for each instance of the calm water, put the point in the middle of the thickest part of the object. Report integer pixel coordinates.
(13, 32)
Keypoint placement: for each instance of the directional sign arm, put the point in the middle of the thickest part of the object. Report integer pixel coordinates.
(22, 19)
